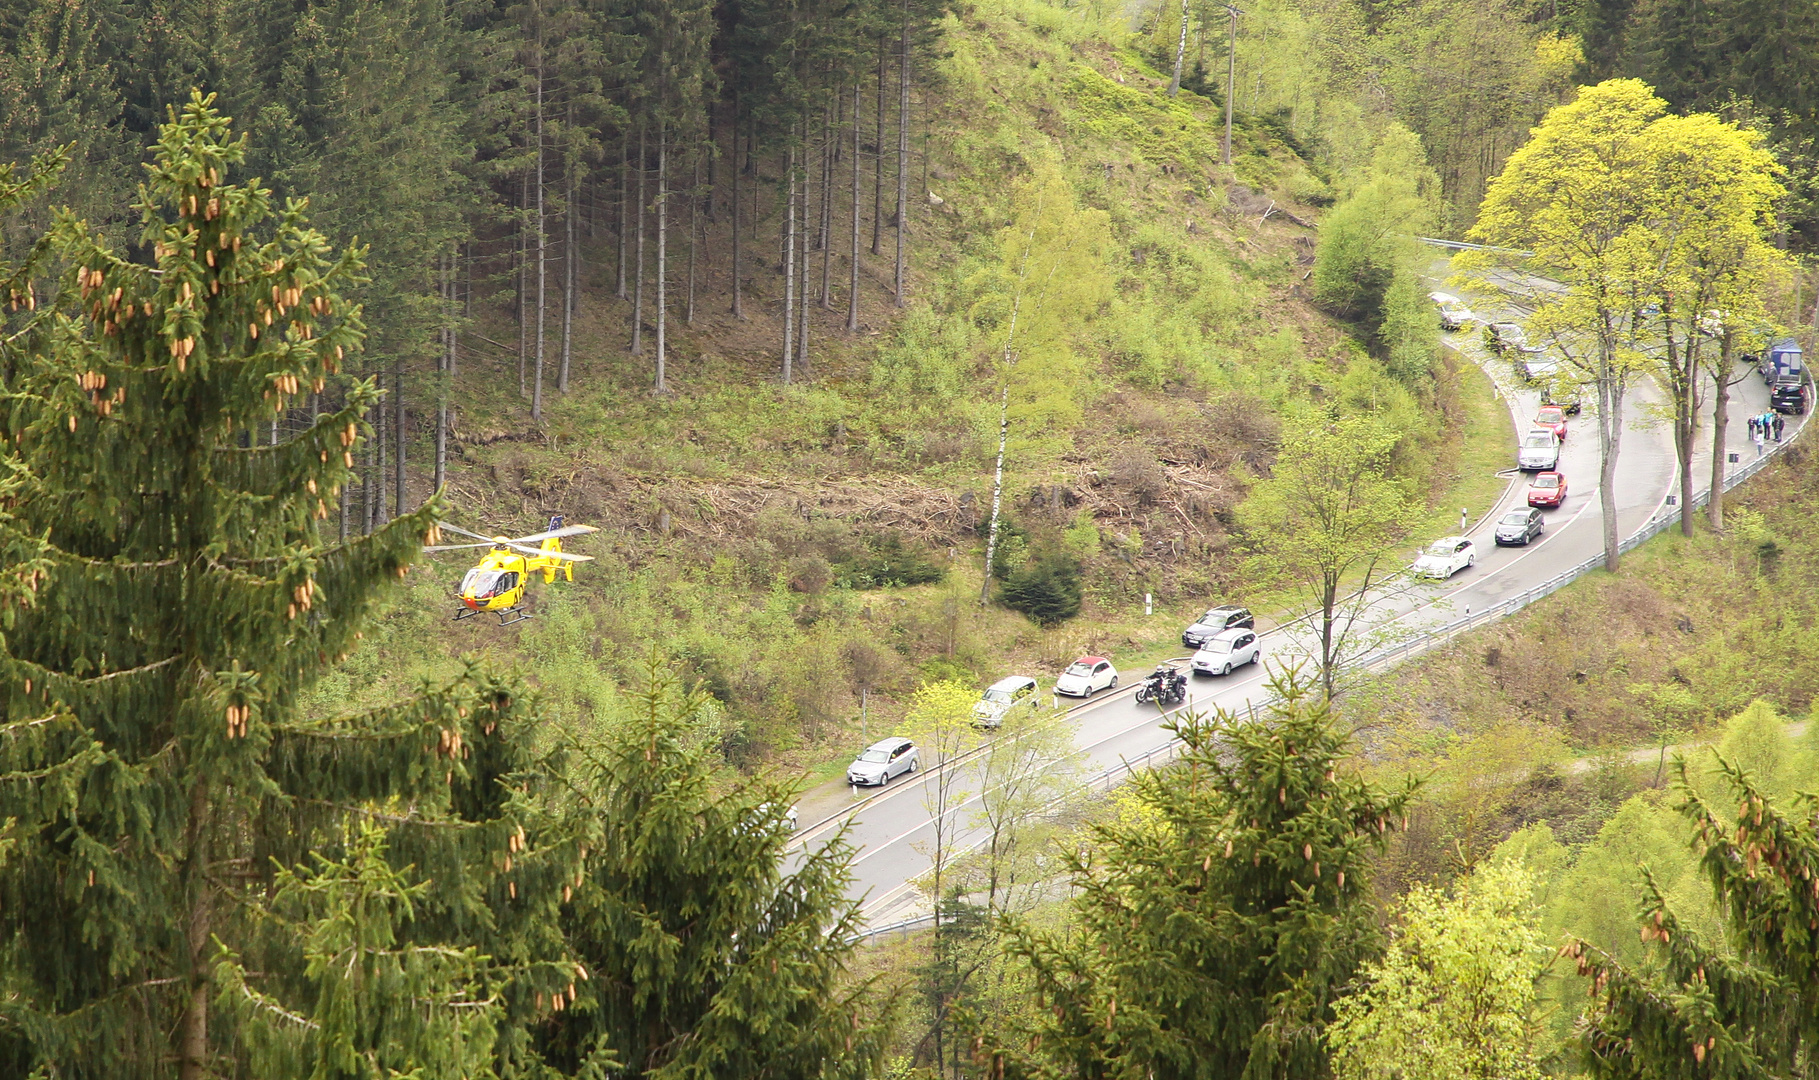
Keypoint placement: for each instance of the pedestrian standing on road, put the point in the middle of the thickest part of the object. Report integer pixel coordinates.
(1779, 424)
(1757, 438)
(1754, 420)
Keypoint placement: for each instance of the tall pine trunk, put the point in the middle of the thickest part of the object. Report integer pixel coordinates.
(662, 249)
(694, 236)
(444, 370)
(852, 297)
(524, 283)
(572, 266)
(192, 1034)
(638, 287)
(738, 309)
(878, 158)
(401, 497)
(625, 198)
(542, 261)
(903, 103)
(825, 240)
(802, 371)
(789, 265)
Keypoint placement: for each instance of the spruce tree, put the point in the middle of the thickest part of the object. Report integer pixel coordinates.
(158, 778)
(703, 957)
(1213, 929)
(1744, 1007)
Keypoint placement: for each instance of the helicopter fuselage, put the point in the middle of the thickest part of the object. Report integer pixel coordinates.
(497, 583)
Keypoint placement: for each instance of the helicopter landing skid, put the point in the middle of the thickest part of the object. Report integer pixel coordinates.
(513, 615)
(465, 613)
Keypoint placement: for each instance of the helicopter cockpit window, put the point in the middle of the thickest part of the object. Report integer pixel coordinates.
(481, 584)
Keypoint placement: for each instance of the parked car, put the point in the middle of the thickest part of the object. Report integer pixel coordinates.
(1086, 675)
(882, 760)
(1215, 620)
(1446, 557)
(1547, 489)
(1539, 451)
(1226, 650)
(1788, 398)
(1519, 526)
(1453, 312)
(1535, 364)
(1000, 698)
(1553, 418)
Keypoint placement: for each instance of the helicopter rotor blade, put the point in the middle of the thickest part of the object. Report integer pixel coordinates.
(565, 556)
(555, 534)
(458, 529)
(456, 547)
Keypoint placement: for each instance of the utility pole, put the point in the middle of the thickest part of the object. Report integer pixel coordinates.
(1231, 76)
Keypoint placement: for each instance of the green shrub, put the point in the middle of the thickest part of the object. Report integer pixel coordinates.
(1047, 591)
(887, 562)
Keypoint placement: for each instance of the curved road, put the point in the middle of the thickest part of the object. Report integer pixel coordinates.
(894, 827)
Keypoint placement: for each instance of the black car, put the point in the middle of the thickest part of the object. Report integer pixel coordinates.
(1215, 620)
(1788, 398)
(1519, 526)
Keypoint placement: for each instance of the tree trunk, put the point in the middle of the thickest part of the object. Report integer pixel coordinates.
(379, 514)
(789, 267)
(903, 101)
(401, 496)
(878, 159)
(852, 292)
(524, 282)
(824, 240)
(991, 533)
(625, 198)
(542, 261)
(1721, 415)
(661, 386)
(738, 309)
(694, 236)
(1174, 84)
(1611, 385)
(1686, 429)
(802, 370)
(571, 264)
(638, 285)
(192, 1030)
(444, 371)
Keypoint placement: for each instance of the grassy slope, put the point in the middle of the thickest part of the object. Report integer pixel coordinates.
(727, 505)
(1529, 720)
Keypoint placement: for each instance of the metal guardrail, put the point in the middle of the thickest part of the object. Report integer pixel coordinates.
(1460, 245)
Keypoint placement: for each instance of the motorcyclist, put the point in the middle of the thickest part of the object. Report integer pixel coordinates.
(1167, 681)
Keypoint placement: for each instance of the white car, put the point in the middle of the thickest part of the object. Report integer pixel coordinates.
(768, 812)
(1010, 692)
(1539, 452)
(1226, 650)
(881, 761)
(1453, 312)
(1446, 557)
(1085, 675)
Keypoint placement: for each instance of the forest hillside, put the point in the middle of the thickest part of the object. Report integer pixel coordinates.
(742, 286)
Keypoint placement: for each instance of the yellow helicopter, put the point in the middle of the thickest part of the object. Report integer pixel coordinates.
(497, 584)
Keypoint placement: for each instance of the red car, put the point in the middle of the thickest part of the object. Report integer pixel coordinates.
(1547, 489)
(1552, 417)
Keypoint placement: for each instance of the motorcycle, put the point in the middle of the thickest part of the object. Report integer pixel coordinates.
(1167, 687)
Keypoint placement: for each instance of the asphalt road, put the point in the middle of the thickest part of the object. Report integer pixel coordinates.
(894, 827)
